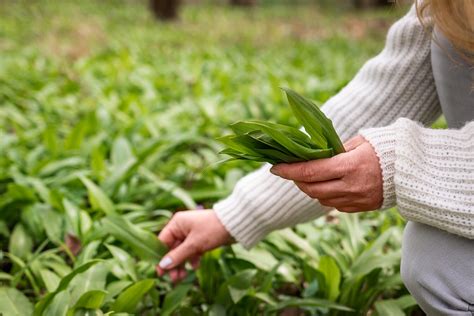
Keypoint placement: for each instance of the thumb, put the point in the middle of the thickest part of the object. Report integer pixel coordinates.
(354, 142)
(178, 255)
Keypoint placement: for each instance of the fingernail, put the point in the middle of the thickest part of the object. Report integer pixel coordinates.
(274, 170)
(165, 262)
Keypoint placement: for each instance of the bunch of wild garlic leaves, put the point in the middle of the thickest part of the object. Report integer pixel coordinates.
(277, 143)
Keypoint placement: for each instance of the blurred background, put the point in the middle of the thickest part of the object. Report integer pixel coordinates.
(113, 106)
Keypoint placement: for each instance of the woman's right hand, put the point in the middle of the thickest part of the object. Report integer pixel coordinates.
(189, 234)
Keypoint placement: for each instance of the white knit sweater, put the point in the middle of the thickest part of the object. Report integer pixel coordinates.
(428, 174)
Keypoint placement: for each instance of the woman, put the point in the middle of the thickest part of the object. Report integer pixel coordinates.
(424, 70)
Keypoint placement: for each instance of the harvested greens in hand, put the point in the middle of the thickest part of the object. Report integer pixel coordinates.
(277, 143)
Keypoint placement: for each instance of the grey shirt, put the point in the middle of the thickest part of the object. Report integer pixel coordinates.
(454, 78)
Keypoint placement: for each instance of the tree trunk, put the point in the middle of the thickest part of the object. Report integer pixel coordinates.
(165, 9)
(247, 3)
(372, 3)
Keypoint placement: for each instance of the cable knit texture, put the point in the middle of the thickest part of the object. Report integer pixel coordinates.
(432, 171)
(396, 83)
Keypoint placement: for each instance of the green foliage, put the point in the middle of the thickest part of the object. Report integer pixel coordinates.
(108, 124)
(276, 143)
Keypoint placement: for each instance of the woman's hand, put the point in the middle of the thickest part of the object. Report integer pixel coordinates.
(189, 234)
(350, 182)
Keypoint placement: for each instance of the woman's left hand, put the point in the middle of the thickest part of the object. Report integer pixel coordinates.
(350, 182)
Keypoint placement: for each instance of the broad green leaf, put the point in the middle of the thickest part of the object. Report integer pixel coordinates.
(44, 302)
(332, 276)
(92, 279)
(171, 187)
(73, 217)
(14, 303)
(276, 133)
(297, 241)
(121, 152)
(98, 199)
(364, 262)
(21, 244)
(394, 307)
(124, 260)
(5, 276)
(59, 305)
(314, 120)
(114, 288)
(146, 245)
(174, 299)
(53, 224)
(128, 300)
(58, 165)
(50, 279)
(91, 299)
(240, 284)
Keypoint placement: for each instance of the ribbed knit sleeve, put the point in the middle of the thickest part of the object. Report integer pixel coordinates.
(431, 173)
(396, 83)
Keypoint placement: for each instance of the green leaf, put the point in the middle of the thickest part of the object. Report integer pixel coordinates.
(21, 244)
(14, 303)
(394, 307)
(146, 245)
(332, 276)
(124, 260)
(128, 300)
(276, 132)
(121, 152)
(310, 302)
(98, 199)
(50, 279)
(174, 299)
(92, 279)
(315, 121)
(91, 300)
(370, 259)
(240, 284)
(44, 303)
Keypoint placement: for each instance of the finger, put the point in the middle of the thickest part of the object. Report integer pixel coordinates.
(311, 171)
(182, 274)
(196, 262)
(324, 190)
(354, 142)
(171, 234)
(159, 271)
(178, 255)
(339, 202)
(350, 209)
(174, 275)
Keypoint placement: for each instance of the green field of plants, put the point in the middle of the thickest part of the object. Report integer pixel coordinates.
(108, 125)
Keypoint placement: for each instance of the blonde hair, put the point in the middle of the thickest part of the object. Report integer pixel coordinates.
(454, 18)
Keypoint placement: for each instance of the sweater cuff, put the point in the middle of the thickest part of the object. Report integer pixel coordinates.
(383, 141)
(240, 212)
(229, 211)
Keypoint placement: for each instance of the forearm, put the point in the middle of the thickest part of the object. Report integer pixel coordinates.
(396, 83)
